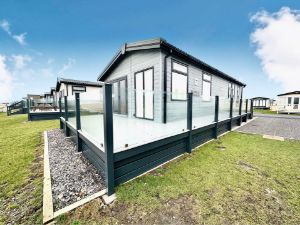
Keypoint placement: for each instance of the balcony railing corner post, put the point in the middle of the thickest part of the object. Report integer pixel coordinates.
(108, 139)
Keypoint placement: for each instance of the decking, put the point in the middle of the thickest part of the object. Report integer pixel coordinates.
(124, 147)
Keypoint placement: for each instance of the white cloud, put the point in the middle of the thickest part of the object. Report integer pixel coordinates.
(66, 66)
(4, 24)
(20, 38)
(21, 61)
(6, 81)
(276, 38)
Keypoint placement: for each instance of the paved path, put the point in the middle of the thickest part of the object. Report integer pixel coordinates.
(287, 127)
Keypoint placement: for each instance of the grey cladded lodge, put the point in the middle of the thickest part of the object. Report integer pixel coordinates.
(152, 103)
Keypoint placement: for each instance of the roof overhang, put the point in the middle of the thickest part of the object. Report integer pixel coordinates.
(77, 82)
(290, 93)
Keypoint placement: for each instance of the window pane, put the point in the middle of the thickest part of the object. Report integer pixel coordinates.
(289, 100)
(139, 104)
(123, 92)
(179, 67)
(206, 90)
(148, 94)
(179, 86)
(116, 97)
(296, 101)
(206, 77)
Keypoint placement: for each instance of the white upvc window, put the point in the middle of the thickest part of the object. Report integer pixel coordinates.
(179, 81)
(206, 87)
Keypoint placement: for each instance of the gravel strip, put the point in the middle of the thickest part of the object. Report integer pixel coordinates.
(72, 176)
(288, 128)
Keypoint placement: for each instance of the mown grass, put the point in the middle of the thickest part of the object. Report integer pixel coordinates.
(238, 179)
(264, 111)
(21, 153)
(267, 111)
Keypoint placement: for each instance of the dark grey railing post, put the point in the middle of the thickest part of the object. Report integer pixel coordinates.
(28, 109)
(240, 111)
(108, 139)
(78, 122)
(66, 116)
(189, 121)
(251, 109)
(216, 115)
(231, 112)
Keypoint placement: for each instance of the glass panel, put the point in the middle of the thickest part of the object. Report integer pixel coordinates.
(72, 110)
(203, 111)
(296, 100)
(149, 101)
(224, 108)
(249, 106)
(179, 67)
(206, 86)
(235, 107)
(123, 97)
(131, 131)
(91, 114)
(139, 95)
(179, 86)
(244, 106)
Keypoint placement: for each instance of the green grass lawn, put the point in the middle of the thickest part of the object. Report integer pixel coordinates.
(264, 111)
(21, 173)
(267, 111)
(238, 179)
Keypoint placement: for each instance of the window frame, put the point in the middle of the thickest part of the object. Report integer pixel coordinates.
(209, 81)
(135, 73)
(181, 73)
(78, 86)
(117, 80)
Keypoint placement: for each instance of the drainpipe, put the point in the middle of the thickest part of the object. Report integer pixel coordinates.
(165, 88)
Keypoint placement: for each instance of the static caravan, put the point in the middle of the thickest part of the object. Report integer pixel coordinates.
(151, 79)
(68, 87)
(288, 102)
(261, 102)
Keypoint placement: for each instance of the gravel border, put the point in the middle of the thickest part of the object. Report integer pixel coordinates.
(72, 176)
(288, 128)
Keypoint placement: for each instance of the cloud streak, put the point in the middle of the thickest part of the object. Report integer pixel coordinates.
(66, 66)
(276, 39)
(20, 38)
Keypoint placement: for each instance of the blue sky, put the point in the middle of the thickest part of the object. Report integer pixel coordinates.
(76, 39)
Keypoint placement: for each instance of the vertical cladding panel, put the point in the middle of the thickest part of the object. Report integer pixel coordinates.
(133, 63)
